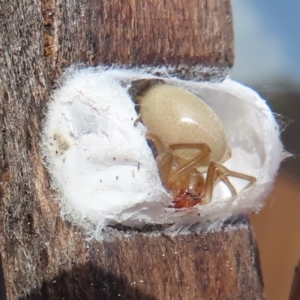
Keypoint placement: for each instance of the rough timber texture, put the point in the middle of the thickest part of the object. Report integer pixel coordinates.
(43, 256)
(134, 33)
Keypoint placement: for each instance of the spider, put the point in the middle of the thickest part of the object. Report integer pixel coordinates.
(189, 140)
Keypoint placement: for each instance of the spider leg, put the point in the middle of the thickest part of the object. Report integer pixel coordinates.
(186, 177)
(165, 156)
(217, 172)
(196, 161)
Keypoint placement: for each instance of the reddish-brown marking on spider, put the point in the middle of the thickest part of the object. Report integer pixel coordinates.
(189, 139)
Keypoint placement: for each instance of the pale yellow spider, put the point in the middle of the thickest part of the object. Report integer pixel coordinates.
(189, 139)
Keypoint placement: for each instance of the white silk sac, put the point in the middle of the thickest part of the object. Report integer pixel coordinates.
(105, 173)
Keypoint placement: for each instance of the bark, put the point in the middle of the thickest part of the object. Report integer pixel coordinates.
(45, 257)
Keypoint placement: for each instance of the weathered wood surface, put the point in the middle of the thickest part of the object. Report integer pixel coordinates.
(134, 33)
(43, 256)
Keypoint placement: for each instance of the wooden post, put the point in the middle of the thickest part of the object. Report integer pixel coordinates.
(45, 257)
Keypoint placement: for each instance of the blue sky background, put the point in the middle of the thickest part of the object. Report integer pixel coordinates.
(267, 40)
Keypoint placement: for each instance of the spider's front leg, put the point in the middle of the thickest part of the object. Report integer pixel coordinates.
(217, 172)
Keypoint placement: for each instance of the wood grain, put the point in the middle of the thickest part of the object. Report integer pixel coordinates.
(156, 266)
(45, 257)
(178, 34)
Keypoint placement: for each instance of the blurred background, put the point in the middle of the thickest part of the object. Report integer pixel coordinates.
(267, 44)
